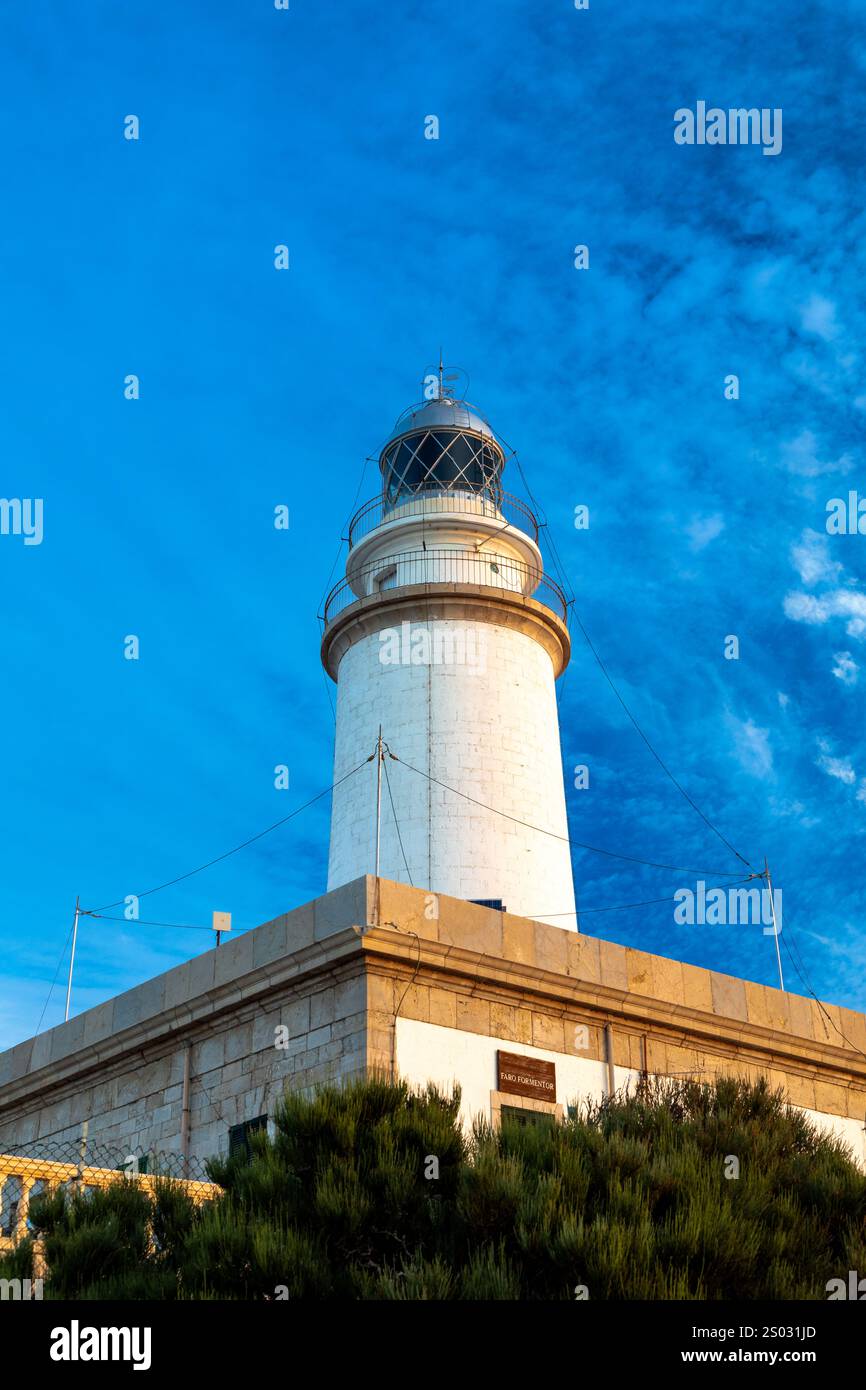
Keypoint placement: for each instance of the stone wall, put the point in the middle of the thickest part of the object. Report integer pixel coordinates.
(380, 976)
(120, 1067)
(533, 986)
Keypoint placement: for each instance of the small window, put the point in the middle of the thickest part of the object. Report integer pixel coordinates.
(387, 579)
(239, 1136)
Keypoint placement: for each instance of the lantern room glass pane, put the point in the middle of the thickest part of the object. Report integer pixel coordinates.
(441, 460)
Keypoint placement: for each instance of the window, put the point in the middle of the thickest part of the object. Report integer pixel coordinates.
(239, 1136)
(514, 1115)
(522, 1110)
(386, 579)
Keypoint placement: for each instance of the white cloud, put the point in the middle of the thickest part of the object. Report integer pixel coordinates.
(800, 456)
(846, 668)
(703, 529)
(810, 557)
(784, 700)
(838, 603)
(835, 767)
(805, 608)
(818, 315)
(795, 809)
(752, 746)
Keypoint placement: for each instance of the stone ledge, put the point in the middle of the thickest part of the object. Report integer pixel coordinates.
(171, 1027)
(446, 600)
(470, 971)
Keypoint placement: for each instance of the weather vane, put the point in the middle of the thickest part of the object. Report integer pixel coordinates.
(442, 385)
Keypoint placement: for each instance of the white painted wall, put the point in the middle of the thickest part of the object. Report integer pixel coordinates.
(843, 1127)
(429, 1052)
(488, 726)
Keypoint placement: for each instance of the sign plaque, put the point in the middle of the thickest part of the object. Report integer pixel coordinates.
(526, 1076)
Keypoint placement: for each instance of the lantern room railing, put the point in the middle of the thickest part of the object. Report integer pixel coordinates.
(508, 510)
(432, 567)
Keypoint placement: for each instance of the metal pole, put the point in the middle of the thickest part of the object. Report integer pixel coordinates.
(185, 1116)
(71, 961)
(775, 927)
(83, 1150)
(611, 1075)
(378, 797)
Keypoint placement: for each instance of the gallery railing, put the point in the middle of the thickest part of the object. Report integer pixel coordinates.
(507, 510)
(431, 567)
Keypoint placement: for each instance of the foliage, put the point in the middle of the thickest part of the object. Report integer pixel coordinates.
(627, 1198)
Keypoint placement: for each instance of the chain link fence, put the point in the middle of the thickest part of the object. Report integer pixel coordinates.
(47, 1165)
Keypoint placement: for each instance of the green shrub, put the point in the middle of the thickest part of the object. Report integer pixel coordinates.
(628, 1198)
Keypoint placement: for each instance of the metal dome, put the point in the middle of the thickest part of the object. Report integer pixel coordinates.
(442, 411)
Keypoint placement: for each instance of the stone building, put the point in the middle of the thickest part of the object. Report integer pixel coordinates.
(445, 638)
(380, 975)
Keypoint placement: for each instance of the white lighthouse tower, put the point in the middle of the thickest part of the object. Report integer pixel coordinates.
(447, 635)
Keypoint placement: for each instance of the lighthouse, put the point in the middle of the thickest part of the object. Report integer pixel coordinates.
(445, 639)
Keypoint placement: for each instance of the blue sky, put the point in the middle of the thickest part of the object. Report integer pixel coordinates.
(707, 516)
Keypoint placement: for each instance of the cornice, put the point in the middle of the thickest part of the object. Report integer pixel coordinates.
(480, 603)
(485, 976)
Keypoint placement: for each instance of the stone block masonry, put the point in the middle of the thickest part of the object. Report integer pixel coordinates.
(380, 976)
(490, 733)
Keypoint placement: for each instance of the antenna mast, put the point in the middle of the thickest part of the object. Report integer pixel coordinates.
(72, 958)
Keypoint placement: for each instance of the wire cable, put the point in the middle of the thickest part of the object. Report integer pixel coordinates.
(566, 839)
(567, 586)
(56, 973)
(347, 524)
(807, 986)
(658, 759)
(146, 922)
(396, 822)
(647, 902)
(229, 852)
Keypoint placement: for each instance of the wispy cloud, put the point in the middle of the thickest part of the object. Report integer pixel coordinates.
(703, 529)
(609, 382)
(846, 669)
(751, 746)
(833, 766)
(819, 316)
(811, 558)
(837, 603)
(801, 456)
